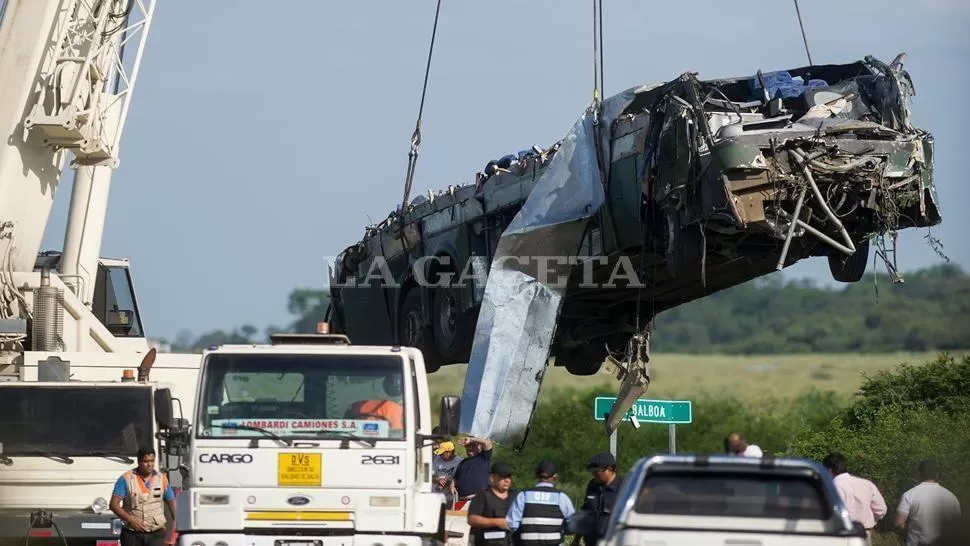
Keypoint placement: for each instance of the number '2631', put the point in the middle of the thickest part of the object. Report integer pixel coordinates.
(380, 459)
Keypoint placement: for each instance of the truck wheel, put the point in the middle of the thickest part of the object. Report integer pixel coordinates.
(684, 247)
(849, 268)
(413, 331)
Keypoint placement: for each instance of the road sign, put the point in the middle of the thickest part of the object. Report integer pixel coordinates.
(667, 412)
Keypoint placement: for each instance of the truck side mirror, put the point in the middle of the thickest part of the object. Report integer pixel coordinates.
(177, 437)
(163, 408)
(449, 415)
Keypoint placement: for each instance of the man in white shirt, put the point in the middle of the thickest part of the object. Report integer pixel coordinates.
(927, 509)
(735, 445)
(861, 497)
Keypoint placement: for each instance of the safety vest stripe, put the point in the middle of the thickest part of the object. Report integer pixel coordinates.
(541, 521)
(541, 536)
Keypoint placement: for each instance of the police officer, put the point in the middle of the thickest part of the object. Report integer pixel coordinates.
(488, 508)
(538, 515)
(601, 494)
(139, 500)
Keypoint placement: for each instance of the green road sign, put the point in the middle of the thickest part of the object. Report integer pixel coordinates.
(667, 412)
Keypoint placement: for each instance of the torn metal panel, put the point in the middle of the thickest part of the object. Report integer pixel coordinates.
(521, 307)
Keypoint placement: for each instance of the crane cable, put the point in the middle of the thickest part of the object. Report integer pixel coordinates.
(597, 62)
(416, 136)
(802, 27)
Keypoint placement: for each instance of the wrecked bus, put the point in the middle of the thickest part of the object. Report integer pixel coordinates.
(704, 184)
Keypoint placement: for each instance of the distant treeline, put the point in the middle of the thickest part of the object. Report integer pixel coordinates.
(930, 311)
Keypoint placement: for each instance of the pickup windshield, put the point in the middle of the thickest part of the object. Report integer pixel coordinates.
(733, 494)
(302, 395)
(66, 421)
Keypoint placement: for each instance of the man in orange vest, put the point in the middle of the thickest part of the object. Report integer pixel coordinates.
(138, 500)
(382, 409)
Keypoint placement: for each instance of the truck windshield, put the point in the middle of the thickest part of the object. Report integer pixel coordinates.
(733, 494)
(75, 421)
(303, 395)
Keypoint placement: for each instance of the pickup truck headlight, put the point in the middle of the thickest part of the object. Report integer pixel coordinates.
(213, 499)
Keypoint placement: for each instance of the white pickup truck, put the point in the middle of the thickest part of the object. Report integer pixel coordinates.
(703, 500)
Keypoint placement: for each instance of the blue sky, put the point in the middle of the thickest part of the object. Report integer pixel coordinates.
(264, 136)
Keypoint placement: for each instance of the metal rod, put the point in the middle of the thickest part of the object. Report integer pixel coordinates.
(821, 200)
(672, 438)
(842, 248)
(791, 230)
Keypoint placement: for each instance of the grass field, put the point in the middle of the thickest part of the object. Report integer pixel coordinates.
(750, 377)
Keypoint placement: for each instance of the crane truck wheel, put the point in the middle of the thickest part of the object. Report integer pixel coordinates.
(413, 330)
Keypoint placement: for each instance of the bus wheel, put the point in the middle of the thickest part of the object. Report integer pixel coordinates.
(454, 329)
(413, 330)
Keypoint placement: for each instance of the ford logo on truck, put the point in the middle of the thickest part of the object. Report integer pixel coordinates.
(298, 500)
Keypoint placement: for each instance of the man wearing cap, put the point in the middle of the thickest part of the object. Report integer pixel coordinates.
(443, 469)
(488, 508)
(538, 516)
(601, 493)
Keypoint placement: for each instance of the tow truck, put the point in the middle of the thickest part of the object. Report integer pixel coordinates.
(284, 454)
(71, 332)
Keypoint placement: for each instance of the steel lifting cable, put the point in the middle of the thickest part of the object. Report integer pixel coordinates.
(416, 136)
(602, 88)
(597, 47)
(802, 27)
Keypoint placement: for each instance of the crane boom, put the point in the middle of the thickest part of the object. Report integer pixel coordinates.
(66, 87)
(29, 171)
(78, 96)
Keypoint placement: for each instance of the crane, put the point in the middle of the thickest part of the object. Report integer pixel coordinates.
(72, 413)
(65, 90)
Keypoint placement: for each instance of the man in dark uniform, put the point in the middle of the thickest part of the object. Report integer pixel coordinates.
(538, 516)
(601, 493)
(486, 513)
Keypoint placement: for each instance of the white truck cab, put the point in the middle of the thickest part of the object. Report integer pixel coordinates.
(704, 500)
(65, 443)
(311, 441)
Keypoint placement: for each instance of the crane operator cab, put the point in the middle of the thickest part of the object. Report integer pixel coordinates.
(382, 408)
(113, 301)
